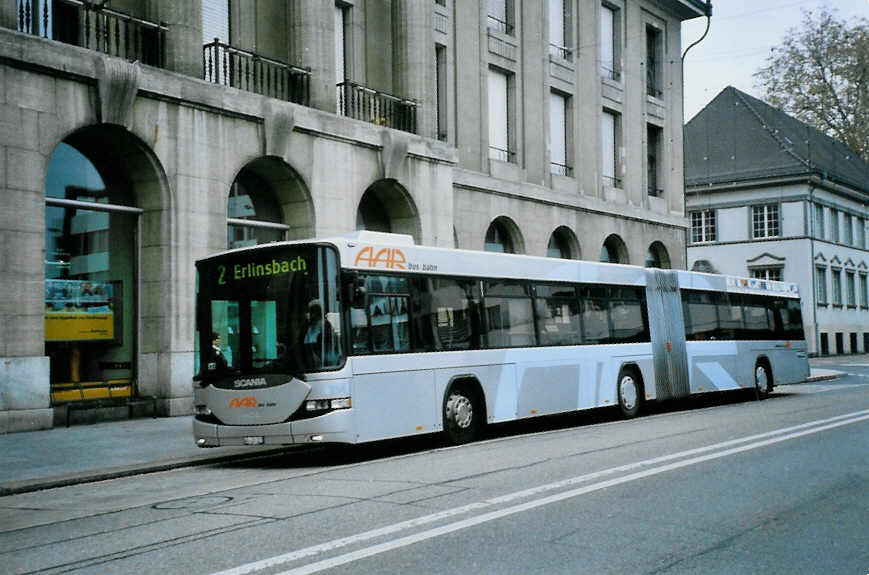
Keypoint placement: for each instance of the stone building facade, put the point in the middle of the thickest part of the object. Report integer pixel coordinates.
(137, 136)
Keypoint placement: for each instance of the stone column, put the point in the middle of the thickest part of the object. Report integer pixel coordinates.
(184, 38)
(311, 26)
(9, 14)
(413, 60)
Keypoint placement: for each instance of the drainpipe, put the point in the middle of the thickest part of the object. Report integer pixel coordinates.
(812, 272)
(685, 53)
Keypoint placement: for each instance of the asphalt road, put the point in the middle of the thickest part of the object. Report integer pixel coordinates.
(718, 485)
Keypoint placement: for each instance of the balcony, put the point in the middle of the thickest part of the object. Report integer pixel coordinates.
(228, 66)
(362, 103)
(95, 27)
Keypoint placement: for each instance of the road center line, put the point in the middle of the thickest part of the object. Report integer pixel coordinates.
(722, 449)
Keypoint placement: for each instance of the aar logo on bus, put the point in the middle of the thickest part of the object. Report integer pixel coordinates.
(389, 258)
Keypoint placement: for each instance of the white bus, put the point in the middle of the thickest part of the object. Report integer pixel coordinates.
(369, 337)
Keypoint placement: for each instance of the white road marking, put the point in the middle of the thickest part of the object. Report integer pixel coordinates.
(722, 449)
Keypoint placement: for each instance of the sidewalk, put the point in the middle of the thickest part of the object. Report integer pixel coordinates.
(61, 456)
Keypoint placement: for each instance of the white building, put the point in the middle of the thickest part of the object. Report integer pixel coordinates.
(771, 197)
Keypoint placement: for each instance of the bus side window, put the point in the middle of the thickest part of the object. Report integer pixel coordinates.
(444, 320)
(595, 315)
(509, 314)
(557, 312)
(731, 320)
(702, 316)
(630, 324)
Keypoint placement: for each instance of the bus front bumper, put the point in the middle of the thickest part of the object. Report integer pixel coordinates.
(333, 427)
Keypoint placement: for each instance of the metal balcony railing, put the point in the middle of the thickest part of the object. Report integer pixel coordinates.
(95, 27)
(363, 103)
(229, 66)
(560, 169)
(562, 52)
(502, 154)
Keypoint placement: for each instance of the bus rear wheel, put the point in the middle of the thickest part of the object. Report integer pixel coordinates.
(630, 392)
(462, 415)
(762, 379)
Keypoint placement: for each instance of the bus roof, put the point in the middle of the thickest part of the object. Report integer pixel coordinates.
(397, 253)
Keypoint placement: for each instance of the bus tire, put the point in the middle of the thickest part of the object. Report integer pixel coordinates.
(463, 414)
(630, 392)
(762, 379)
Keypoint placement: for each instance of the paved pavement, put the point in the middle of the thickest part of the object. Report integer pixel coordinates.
(61, 456)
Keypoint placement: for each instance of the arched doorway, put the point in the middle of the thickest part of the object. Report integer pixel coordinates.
(387, 207)
(563, 244)
(268, 202)
(503, 236)
(657, 256)
(614, 250)
(97, 181)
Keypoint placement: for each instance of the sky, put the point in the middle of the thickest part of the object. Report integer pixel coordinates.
(740, 37)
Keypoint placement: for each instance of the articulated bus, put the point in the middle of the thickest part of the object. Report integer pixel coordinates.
(369, 337)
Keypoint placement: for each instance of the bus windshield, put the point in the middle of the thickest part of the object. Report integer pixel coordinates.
(269, 311)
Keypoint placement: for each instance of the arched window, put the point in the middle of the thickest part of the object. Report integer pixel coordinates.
(502, 237)
(253, 212)
(657, 256)
(387, 207)
(563, 244)
(614, 250)
(90, 263)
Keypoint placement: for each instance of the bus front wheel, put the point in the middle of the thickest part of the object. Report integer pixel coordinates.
(462, 413)
(630, 392)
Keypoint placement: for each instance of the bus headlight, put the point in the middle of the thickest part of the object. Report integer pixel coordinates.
(327, 404)
(201, 410)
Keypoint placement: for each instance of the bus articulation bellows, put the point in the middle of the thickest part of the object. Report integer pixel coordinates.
(369, 337)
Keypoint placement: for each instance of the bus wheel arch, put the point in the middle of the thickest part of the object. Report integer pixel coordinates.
(762, 377)
(629, 390)
(464, 410)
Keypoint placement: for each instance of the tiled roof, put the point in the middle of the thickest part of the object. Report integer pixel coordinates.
(737, 138)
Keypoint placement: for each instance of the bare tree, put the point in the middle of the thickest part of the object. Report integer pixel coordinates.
(820, 75)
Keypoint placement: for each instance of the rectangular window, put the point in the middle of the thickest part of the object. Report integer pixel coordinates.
(701, 315)
(609, 127)
(731, 320)
(500, 15)
(655, 181)
(861, 233)
(509, 314)
(499, 117)
(382, 325)
(850, 289)
(821, 285)
(772, 274)
(819, 221)
(836, 286)
(864, 291)
(340, 46)
(654, 62)
(609, 34)
(764, 221)
(557, 311)
(558, 129)
(441, 87)
(703, 226)
(834, 225)
(559, 29)
(848, 227)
